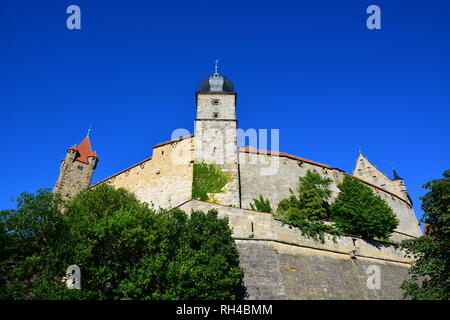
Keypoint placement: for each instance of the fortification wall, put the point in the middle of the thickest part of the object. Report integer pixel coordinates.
(164, 180)
(276, 186)
(280, 263)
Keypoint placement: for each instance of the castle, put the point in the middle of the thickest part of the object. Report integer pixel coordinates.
(278, 261)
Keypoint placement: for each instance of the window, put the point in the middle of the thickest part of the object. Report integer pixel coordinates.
(80, 168)
(215, 102)
(374, 178)
(215, 115)
(360, 172)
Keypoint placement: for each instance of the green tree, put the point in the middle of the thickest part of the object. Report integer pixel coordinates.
(261, 205)
(310, 208)
(430, 273)
(358, 211)
(125, 249)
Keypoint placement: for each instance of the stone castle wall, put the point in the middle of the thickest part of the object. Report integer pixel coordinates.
(74, 176)
(165, 179)
(275, 187)
(280, 263)
(367, 171)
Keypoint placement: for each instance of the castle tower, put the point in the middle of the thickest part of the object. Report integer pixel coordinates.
(215, 131)
(75, 172)
(366, 170)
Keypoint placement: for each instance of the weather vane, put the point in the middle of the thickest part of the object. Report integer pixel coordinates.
(89, 130)
(216, 66)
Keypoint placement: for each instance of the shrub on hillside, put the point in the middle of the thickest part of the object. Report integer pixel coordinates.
(261, 205)
(310, 208)
(358, 211)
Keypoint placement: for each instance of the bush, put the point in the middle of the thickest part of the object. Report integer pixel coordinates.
(430, 272)
(207, 178)
(125, 249)
(308, 211)
(358, 211)
(261, 205)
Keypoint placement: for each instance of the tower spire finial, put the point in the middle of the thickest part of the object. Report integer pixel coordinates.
(216, 66)
(89, 130)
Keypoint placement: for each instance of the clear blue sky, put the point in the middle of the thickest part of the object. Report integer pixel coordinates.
(309, 68)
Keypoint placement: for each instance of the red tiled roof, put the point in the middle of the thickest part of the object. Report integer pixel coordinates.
(84, 151)
(287, 155)
(174, 140)
(122, 171)
(282, 154)
(134, 165)
(249, 149)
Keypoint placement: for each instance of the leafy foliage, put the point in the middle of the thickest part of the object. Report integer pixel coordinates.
(125, 249)
(208, 178)
(360, 212)
(430, 273)
(261, 205)
(310, 208)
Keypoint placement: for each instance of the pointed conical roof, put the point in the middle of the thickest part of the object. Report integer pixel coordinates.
(84, 150)
(396, 176)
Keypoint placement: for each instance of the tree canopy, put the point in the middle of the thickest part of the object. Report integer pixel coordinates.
(358, 211)
(430, 273)
(125, 249)
(310, 208)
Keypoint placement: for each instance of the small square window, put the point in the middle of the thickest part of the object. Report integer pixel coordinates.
(215, 102)
(215, 115)
(80, 168)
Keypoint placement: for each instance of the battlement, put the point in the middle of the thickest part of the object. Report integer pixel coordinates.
(279, 262)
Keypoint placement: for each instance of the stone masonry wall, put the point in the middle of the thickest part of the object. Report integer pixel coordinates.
(366, 170)
(276, 187)
(216, 139)
(165, 180)
(280, 263)
(74, 176)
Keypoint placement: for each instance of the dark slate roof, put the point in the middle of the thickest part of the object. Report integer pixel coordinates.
(396, 176)
(216, 83)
